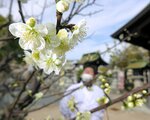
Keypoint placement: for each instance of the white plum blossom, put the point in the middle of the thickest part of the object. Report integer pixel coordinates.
(51, 62)
(51, 38)
(62, 6)
(29, 59)
(64, 42)
(43, 47)
(79, 32)
(31, 37)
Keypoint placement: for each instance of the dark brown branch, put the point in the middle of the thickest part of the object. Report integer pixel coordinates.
(29, 99)
(69, 26)
(20, 11)
(59, 17)
(70, 14)
(10, 10)
(77, 10)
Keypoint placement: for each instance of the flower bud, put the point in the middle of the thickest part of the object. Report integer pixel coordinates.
(78, 113)
(102, 86)
(107, 90)
(129, 98)
(138, 95)
(103, 80)
(130, 105)
(144, 92)
(139, 102)
(31, 22)
(62, 6)
(106, 85)
(38, 95)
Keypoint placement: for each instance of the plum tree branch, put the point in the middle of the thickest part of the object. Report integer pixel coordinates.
(121, 98)
(20, 11)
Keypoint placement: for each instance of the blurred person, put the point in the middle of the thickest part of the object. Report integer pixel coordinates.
(85, 97)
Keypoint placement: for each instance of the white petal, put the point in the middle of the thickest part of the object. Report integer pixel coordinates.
(17, 29)
(40, 43)
(36, 44)
(42, 64)
(48, 69)
(82, 23)
(51, 28)
(62, 6)
(54, 57)
(41, 29)
(55, 42)
(62, 34)
(24, 44)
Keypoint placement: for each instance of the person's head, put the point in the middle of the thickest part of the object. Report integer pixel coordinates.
(88, 75)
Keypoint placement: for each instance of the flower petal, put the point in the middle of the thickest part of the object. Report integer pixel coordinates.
(38, 43)
(17, 29)
(62, 34)
(51, 28)
(24, 44)
(41, 29)
(48, 69)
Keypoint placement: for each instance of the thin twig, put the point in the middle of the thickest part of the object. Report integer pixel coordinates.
(20, 11)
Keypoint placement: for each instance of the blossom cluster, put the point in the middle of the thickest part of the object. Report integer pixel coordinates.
(43, 48)
(71, 104)
(104, 84)
(135, 100)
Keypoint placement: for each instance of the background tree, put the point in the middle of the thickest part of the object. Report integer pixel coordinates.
(129, 54)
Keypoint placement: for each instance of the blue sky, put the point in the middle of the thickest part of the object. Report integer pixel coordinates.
(115, 14)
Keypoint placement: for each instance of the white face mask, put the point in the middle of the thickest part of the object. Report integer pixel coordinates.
(86, 77)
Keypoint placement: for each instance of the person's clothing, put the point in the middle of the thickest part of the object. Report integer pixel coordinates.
(85, 100)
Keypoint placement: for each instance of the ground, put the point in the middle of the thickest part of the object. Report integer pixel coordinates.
(114, 113)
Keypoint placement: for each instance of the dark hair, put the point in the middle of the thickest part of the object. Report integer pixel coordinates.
(93, 67)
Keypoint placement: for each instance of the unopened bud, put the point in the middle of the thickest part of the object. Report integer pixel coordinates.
(130, 105)
(144, 92)
(31, 22)
(129, 98)
(62, 6)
